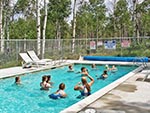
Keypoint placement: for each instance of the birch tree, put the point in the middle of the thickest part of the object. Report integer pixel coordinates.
(7, 12)
(38, 25)
(44, 27)
(74, 26)
(1, 26)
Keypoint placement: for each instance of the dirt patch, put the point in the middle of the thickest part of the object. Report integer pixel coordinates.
(110, 96)
(147, 80)
(121, 107)
(127, 107)
(141, 79)
(127, 88)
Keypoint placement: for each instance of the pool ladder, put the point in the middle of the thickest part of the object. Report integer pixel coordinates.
(140, 61)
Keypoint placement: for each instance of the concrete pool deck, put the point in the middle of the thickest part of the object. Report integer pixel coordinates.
(132, 96)
(13, 71)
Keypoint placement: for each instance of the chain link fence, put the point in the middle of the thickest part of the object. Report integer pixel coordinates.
(56, 49)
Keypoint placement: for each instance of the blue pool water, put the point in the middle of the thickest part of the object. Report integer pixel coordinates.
(28, 98)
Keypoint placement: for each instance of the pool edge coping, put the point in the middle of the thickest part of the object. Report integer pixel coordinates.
(34, 70)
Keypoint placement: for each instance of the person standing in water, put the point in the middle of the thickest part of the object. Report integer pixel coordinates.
(84, 87)
(17, 80)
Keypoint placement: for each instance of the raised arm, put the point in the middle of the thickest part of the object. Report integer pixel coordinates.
(92, 80)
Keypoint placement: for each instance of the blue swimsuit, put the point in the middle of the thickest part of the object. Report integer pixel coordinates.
(84, 92)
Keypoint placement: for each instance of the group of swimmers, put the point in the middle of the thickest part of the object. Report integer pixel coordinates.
(84, 86)
(46, 84)
(104, 75)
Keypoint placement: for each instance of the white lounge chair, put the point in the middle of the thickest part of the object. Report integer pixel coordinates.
(35, 58)
(28, 60)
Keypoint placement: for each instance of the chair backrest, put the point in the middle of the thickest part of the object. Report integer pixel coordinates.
(25, 57)
(33, 55)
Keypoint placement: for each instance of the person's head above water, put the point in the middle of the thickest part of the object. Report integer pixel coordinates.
(83, 69)
(62, 86)
(17, 80)
(70, 67)
(93, 66)
(44, 78)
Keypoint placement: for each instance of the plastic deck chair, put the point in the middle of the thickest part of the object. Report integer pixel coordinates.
(35, 58)
(28, 60)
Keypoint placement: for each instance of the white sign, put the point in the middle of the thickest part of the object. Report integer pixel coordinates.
(125, 43)
(92, 45)
(110, 44)
(99, 43)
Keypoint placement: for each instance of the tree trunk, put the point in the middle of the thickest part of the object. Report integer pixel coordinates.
(1, 26)
(44, 28)
(114, 17)
(59, 37)
(74, 26)
(38, 27)
(86, 33)
(134, 18)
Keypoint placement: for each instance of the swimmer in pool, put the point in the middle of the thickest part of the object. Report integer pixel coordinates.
(60, 93)
(93, 66)
(84, 87)
(107, 67)
(49, 80)
(70, 68)
(104, 75)
(17, 80)
(113, 69)
(83, 72)
(44, 85)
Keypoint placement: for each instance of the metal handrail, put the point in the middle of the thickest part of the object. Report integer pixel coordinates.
(135, 61)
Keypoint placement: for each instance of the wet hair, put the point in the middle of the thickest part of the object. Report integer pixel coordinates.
(44, 78)
(93, 65)
(105, 72)
(70, 66)
(84, 82)
(62, 86)
(16, 79)
(48, 77)
(83, 68)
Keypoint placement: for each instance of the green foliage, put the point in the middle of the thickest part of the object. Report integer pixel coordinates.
(23, 29)
(143, 10)
(59, 9)
(91, 19)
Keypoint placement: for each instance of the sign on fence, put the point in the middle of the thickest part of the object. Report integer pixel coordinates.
(99, 43)
(111, 44)
(92, 45)
(125, 43)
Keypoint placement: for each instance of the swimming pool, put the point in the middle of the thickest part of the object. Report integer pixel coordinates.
(29, 97)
